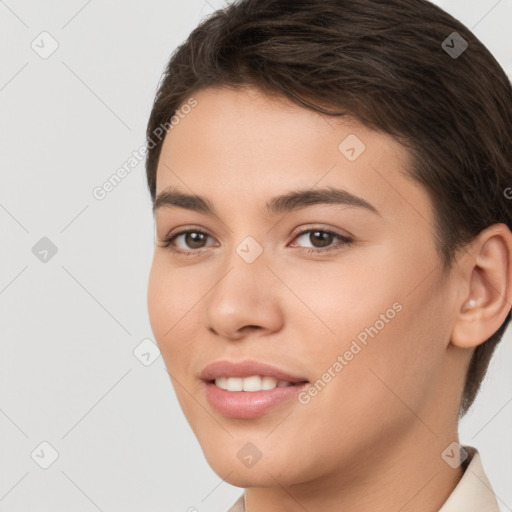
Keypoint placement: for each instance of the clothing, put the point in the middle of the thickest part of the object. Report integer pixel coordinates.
(473, 493)
(239, 505)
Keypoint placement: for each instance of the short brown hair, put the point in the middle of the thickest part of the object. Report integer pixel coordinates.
(384, 64)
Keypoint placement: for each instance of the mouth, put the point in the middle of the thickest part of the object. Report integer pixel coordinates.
(249, 389)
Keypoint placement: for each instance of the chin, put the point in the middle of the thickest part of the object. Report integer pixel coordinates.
(262, 473)
(238, 476)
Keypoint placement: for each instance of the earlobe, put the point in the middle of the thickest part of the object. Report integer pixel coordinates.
(487, 287)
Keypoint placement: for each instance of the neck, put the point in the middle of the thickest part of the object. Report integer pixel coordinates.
(406, 475)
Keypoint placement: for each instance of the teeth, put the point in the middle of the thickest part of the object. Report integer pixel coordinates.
(222, 382)
(252, 383)
(234, 384)
(268, 383)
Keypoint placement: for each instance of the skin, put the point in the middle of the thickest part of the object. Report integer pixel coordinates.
(372, 438)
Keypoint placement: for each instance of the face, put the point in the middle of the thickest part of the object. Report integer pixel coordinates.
(342, 293)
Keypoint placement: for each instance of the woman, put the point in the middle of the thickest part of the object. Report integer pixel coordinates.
(332, 267)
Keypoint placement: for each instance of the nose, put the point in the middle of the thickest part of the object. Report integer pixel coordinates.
(243, 300)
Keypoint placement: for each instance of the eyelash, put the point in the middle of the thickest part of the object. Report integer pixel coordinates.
(344, 241)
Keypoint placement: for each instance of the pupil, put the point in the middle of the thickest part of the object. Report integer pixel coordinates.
(196, 238)
(324, 238)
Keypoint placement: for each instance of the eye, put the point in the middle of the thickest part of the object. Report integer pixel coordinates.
(194, 240)
(321, 240)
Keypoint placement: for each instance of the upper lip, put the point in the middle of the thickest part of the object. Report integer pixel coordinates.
(245, 368)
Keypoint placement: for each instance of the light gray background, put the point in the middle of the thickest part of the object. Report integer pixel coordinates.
(69, 326)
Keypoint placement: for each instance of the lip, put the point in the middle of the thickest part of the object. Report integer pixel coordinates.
(248, 404)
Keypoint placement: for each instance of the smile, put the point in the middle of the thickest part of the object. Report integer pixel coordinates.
(249, 389)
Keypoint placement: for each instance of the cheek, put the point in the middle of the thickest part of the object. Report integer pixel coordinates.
(156, 298)
(170, 313)
(171, 295)
(389, 326)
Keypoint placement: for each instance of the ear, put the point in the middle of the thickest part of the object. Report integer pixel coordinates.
(485, 296)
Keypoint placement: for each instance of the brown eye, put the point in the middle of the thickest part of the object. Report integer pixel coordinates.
(194, 239)
(321, 240)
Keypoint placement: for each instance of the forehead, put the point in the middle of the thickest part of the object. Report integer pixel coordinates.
(244, 147)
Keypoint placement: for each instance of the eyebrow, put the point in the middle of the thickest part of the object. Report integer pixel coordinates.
(291, 201)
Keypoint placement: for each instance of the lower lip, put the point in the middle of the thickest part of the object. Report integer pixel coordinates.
(249, 404)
